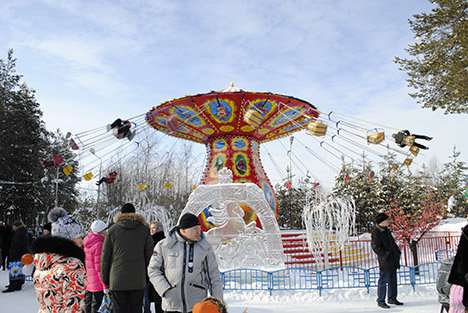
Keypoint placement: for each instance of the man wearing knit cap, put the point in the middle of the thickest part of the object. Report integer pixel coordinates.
(183, 268)
(388, 254)
(125, 256)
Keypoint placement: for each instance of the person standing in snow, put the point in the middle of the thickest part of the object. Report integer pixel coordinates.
(127, 250)
(7, 235)
(151, 296)
(443, 286)
(2, 238)
(388, 254)
(92, 244)
(183, 267)
(459, 272)
(20, 244)
(60, 275)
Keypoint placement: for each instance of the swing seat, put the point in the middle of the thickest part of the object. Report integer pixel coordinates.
(67, 170)
(317, 128)
(88, 176)
(142, 186)
(408, 161)
(253, 118)
(409, 140)
(375, 137)
(414, 150)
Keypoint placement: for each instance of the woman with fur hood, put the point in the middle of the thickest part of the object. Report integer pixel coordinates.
(60, 274)
(92, 244)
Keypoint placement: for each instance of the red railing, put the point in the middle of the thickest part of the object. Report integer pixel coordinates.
(358, 252)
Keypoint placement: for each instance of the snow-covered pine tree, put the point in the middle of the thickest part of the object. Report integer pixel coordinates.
(23, 144)
(292, 199)
(360, 183)
(452, 182)
(67, 193)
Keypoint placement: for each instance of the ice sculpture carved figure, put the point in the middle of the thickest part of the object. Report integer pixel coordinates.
(237, 243)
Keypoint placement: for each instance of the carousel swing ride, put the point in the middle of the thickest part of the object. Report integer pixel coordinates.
(236, 201)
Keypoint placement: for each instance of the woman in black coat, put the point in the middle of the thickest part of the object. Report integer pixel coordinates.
(459, 273)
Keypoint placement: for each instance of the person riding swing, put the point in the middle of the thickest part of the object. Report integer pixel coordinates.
(405, 139)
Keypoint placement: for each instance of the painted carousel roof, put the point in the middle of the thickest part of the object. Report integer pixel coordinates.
(261, 115)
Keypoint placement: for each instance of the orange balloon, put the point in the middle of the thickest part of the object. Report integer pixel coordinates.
(27, 259)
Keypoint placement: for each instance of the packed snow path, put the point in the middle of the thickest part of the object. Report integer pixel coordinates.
(424, 300)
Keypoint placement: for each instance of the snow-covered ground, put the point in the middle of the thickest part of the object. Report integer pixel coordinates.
(424, 300)
(454, 224)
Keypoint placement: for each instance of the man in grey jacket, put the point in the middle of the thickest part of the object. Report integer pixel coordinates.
(125, 256)
(183, 267)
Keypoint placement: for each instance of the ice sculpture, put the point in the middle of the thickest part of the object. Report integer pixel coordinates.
(238, 241)
(328, 219)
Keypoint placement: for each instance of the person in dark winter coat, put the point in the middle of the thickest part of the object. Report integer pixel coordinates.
(7, 236)
(388, 254)
(2, 235)
(47, 229)
(151, 295)
(443, 286)
(183, 267)
(459, 272)
(126, 253)
(20, 244)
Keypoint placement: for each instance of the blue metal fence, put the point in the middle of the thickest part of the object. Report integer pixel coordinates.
(331, 278)
(444, 253)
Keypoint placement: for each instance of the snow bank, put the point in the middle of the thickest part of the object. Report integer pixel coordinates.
(454, 224)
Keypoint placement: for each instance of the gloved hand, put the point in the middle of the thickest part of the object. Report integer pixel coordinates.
(106, 291)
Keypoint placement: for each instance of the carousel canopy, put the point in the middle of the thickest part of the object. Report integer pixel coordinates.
(262, 116)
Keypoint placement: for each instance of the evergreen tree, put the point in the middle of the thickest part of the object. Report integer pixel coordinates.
(292, 199)
(23, 144)
(361, 184)
(452, 183)
(57, 187)
(26, 188)
(438, 67)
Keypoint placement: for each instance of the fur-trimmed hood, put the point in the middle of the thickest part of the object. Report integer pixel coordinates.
(129, 220)
(63, 248)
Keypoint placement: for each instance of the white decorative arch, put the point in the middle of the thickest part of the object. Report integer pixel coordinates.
(238, 244)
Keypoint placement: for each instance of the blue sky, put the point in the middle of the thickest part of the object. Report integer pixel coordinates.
(93, 61)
